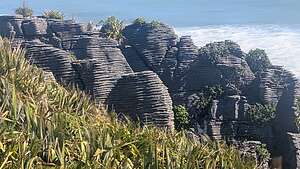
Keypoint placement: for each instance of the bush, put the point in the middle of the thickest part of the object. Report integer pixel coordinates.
(263, 153)
(258, 60)
(181, 118)
(262, 114)
(155, 24)
(139, 21)
(24, 11)
(53, 14)
(112, 28)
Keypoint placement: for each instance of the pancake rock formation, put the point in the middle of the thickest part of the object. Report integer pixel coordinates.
(228, 94)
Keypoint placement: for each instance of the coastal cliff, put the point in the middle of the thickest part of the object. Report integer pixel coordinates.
(153, 69)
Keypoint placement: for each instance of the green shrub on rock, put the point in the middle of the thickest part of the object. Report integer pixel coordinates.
(258, 60)
(112, 28)
(262, 114)
(139, 21)
(155, 24)
(24, 11)
(181, 117)
(53, 14)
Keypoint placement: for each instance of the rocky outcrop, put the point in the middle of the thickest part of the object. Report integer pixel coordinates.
(151, 43)
(102, 63)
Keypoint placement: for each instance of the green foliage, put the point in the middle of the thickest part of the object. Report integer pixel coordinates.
(258, 60)
(181, 118)
(207, 95)
(43, 125)
(24, 11)
(112, 28)
(155, 24)
(262, 114)
(53, 14)
(139, 21)
(298, 111)
(263, 153)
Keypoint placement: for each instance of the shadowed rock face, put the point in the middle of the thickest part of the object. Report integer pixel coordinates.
(9, 23)
(34, 28)
(151, 43)
(219, 63)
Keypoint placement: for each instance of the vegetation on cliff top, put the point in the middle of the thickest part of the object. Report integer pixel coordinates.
(258, 60)
(112, 28)
(53, 14)
(24, 11)
(43, 125)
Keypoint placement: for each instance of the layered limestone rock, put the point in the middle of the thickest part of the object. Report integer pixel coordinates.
(35, 27)
(151, 42)
(144, 97)
(187, 53)
(51, 59)
(99, 78)
(279, 87)
(65, 29)
(106, 74)
(178, 63)
(102, 63)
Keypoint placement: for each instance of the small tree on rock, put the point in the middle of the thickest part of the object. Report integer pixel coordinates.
(24, 10)
(112, 28)
(53, 14)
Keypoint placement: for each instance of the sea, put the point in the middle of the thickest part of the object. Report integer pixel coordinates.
(272, 25)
